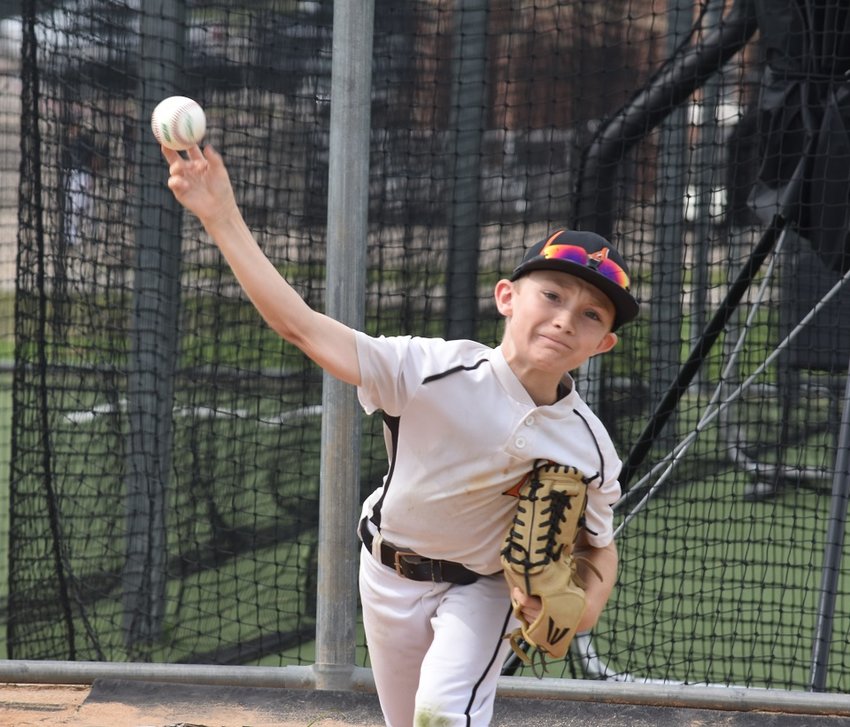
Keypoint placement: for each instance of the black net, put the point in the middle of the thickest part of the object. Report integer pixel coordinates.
(165, 444)
(10, 115)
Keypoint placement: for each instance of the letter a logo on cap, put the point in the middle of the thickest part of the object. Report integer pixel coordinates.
(598, 257)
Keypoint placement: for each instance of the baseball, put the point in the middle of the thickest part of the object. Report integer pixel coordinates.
(178, 123)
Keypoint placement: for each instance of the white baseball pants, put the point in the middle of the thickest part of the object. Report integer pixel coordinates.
(436, 649)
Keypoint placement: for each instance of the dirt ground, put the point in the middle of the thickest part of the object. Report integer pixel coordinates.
(29, 705)
(126, 703)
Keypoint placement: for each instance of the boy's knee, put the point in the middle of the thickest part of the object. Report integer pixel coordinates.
(431, 717)
(443, 714)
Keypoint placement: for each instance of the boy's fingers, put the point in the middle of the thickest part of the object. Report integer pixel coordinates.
(170, 155)
(195, 153)
(212, 156)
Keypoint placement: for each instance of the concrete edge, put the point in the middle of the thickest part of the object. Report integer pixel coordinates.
(359, 679)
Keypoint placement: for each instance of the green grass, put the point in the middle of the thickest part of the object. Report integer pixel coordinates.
(241, 501)
(5, 440)
(716, 588)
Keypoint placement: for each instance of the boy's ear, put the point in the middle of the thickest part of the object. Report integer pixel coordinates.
(504, 294)
(609, 340)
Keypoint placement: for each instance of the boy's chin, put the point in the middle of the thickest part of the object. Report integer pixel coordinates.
(556, 366)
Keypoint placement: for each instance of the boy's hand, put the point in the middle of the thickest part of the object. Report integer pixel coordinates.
(201, 184)
(531, 606)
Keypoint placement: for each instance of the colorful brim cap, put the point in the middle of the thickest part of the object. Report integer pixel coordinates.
(587, 256)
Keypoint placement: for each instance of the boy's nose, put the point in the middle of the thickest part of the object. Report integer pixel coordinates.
(564, 319)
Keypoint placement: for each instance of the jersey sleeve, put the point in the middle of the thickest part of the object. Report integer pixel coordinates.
(390, 369)
(599, 515)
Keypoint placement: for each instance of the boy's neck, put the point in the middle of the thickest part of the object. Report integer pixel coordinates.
(544, 391)
(544, 388)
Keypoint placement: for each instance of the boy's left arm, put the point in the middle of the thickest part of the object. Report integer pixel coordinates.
(597, 590)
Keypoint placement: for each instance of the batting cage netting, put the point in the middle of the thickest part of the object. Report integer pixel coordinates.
(163, 444)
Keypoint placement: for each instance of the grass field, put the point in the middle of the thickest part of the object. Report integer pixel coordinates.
(5, 422)
(720, 589)
(242, 527)
(5, 436)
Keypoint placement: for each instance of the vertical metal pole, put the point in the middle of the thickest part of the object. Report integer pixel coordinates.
(468, 104)
(666, 311)
(833, 549)
(152, 365)
(348, 206)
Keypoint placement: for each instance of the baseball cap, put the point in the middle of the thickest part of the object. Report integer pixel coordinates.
(587, 256)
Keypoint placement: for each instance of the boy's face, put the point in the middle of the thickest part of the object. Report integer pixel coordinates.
(555, 321)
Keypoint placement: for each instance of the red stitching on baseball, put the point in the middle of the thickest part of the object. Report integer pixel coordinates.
(177, 127)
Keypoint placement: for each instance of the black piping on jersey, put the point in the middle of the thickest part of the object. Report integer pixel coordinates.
(601, 473)
(495, 654)
(392, 423)
(456, 369)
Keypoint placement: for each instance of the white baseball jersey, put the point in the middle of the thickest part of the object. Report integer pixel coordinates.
(461, 434)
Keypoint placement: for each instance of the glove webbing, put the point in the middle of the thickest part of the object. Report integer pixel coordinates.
(550, 549)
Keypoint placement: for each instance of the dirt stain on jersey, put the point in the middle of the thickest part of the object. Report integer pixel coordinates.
(430, 718)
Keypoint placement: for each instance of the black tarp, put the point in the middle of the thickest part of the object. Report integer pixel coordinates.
(804, 109)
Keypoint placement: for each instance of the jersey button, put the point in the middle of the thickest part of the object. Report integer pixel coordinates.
(529, 422)
(520, 442)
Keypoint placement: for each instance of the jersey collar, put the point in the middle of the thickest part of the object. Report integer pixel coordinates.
(508, 379)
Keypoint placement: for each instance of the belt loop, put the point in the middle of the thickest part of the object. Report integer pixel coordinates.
(377, 541)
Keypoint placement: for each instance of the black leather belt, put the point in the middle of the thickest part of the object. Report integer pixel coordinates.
(410, 565)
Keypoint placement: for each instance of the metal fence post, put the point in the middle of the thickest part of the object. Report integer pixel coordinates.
(833, 550)
(348, 206)
(153, 359)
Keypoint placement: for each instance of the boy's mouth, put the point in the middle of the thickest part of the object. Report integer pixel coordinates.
(558, 342)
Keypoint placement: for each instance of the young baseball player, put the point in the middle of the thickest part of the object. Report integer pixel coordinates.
(464, 425)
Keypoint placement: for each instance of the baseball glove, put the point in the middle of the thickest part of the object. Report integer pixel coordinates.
(537, 558)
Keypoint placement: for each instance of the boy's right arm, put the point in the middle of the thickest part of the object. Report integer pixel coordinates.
(201, 184)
